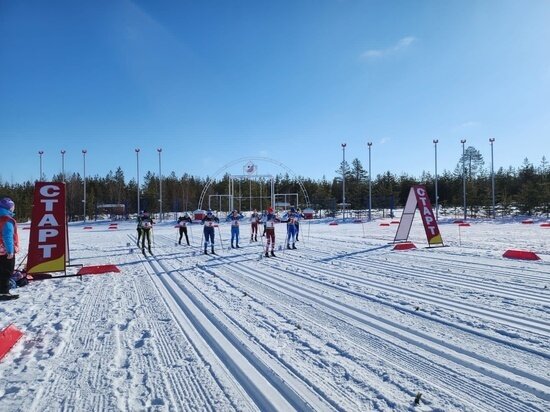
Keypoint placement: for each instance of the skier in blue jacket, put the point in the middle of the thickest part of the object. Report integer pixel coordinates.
(9, 246)
(292, 218)
(235, 217)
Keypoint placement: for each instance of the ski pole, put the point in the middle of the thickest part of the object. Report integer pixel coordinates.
(191, 233)
(220, 233)
(21, 262)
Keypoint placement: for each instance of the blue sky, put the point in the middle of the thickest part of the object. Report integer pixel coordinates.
(214, 81)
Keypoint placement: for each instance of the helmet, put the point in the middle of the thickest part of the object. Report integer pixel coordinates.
(208, 212)
(7, 203)
(292, 209)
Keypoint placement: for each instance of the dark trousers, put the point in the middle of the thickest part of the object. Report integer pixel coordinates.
(7, 266)
(146, 233)
(208, 237)
(183, 231)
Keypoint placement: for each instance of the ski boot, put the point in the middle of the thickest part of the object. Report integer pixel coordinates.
(256, 238)
(288, 246)
(266, 254)
(294, 246)
(212, 250)
(237, 246)
(272, 253)
(205, 252)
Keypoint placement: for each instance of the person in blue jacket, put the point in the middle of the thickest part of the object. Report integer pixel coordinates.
(208, 221)
(234, 218)
(292, 218)
(9, 246)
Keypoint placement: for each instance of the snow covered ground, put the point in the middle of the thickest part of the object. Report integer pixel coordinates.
(342, 323)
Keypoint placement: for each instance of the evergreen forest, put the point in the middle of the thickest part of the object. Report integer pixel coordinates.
(521, 190)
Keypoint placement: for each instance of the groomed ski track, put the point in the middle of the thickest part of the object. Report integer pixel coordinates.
(342, 323)
(319, 299)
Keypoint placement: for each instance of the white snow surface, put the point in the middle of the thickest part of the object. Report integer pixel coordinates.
(342, 323)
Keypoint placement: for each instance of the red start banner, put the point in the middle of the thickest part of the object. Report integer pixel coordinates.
(425, 207)
(418, 199)
(47, 238)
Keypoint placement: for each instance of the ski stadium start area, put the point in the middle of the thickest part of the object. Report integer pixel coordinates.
(344, 322)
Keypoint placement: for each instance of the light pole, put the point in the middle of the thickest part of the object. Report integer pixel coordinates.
(160, 186)
(369, 144)
(343, 182)
(84, 151)
(436, 141)
(63, 164)
(40, 153)
(492, 140)
(137, 163)
(464, 176)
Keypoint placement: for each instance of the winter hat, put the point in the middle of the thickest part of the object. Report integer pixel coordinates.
(292, 209)
(270, 209)
(7, 203)
(209, 212)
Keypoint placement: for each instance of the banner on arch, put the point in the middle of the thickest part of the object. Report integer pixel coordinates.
(419, 199)
(48, 234)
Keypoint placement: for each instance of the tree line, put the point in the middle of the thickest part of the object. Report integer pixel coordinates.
(521, 190)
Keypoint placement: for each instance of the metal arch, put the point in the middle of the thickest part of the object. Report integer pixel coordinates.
(242, 159)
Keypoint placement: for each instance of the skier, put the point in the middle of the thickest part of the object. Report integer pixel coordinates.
(269, 224)
(138, 228)
(291, 228)
(208, 222)
(234, 218)
(146, 224)
(264, 214)
(182, 225)
(9, 246)
(254, 219)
